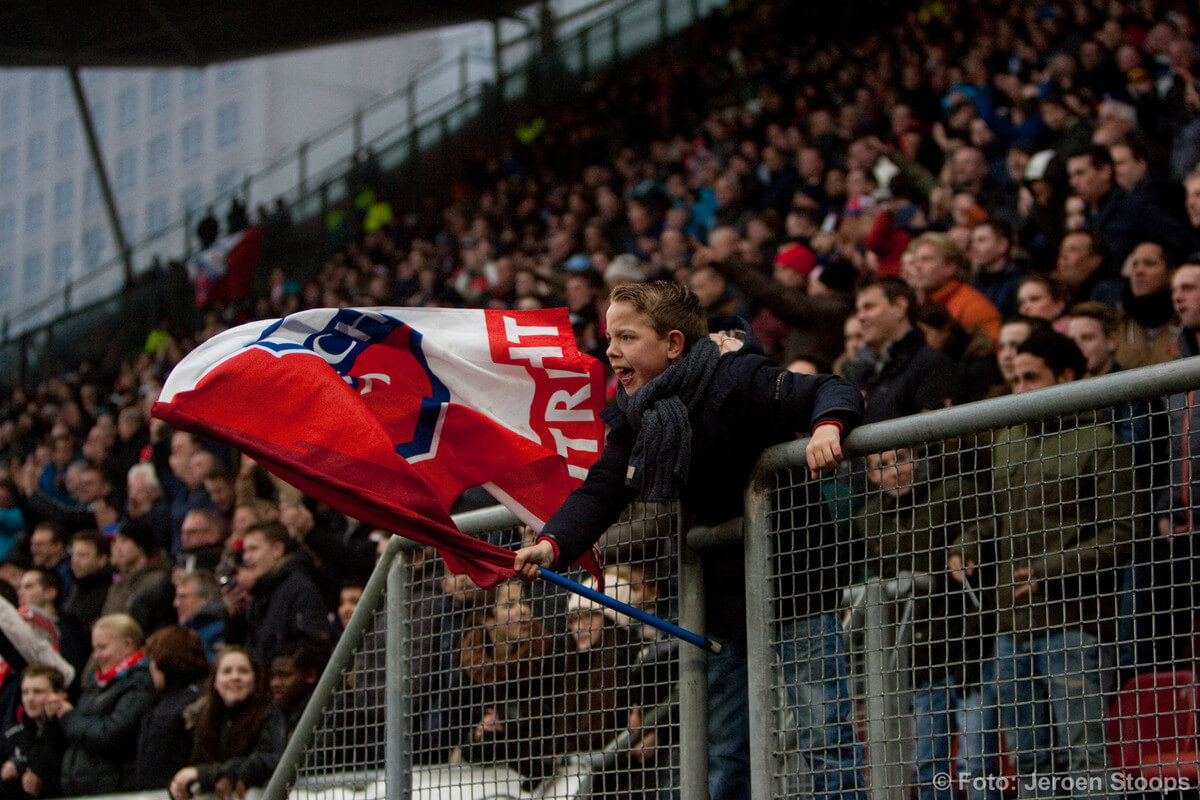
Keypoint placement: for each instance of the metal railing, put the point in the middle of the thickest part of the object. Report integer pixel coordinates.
(398, 126)
(927, 663)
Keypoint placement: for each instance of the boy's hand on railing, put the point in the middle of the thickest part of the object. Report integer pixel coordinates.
(824, 448)
(528, 560)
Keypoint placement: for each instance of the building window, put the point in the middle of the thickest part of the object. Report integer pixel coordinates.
(8, 166)
(158, 152)
(39, 94)
(160, 92)
(156, 216)
(126, 171)
(8, 225)
(93, 247)
(193, 82)
(193, 140)
(64, 199)
(64, 140)
(35, 212)
(127, 108)
(191, 198)
(35, 156)
(91, 189)
(10, 108)
(62, 261)
(33, 273)
(227, 125)
(228, 71)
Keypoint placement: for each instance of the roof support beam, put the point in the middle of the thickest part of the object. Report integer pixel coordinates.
(171, 30)
(110, 202)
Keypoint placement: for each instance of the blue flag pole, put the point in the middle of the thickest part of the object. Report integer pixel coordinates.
(703, 642)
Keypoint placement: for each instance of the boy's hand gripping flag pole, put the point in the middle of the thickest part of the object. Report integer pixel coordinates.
(703, 642)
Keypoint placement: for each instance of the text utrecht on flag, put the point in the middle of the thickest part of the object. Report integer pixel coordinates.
(389, 414)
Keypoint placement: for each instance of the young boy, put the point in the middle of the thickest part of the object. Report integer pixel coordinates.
(34, 748)
(694, 412)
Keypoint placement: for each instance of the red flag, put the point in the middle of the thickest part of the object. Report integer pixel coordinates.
(390, 414)
(225, 271)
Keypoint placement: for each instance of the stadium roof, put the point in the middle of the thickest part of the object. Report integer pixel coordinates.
(162, 33)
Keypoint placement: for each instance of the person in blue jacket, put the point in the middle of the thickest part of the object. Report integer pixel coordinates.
(694, 411)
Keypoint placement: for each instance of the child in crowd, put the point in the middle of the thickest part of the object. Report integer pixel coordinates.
(694, 412)
(33, 748)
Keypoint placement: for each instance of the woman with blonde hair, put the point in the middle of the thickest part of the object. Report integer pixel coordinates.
(102, 728)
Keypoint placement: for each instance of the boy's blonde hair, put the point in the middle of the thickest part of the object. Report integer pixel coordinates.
(668, 306)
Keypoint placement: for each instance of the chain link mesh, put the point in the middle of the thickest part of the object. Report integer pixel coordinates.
(521, 692)
(1017, 617)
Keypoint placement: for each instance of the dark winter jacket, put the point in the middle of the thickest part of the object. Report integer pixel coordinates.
(751, 404)
(257, 768)
(86, 600)
(102, 733)
(908, 378)
(233, 735)
(285, 606)
(35, 748)
(165, 741)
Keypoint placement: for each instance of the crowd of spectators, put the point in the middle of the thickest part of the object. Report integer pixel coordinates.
(975, 200)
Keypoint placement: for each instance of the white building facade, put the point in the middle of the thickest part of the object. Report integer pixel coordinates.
(173, 141)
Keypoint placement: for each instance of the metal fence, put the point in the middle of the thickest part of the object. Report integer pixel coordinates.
(1056, 660)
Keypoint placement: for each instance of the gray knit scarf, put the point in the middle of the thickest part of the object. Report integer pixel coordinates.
(658, 411)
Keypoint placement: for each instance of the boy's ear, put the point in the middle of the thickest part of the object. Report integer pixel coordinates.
(676, 344)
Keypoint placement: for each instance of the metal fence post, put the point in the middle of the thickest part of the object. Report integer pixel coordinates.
(334, 675)
(398, 745)
(885, 734)
(693, 680)
(759, 658)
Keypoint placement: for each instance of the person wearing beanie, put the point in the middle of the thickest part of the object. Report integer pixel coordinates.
(142, 586)
(793, 314)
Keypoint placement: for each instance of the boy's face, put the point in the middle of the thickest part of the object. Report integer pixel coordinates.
(635, 350)
(35, 691)
(288, 684)
(892, 470)
(1032, 372)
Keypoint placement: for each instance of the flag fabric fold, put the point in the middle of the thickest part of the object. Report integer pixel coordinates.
(225, 270)
(389, 414)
